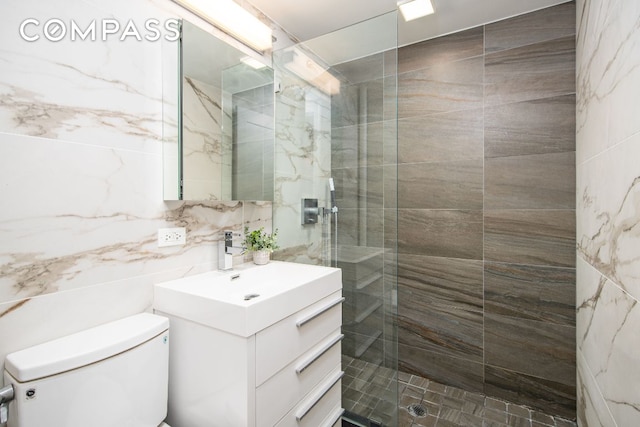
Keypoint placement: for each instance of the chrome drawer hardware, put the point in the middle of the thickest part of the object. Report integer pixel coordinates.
(336, 417)
(300, 369)
(312, 316)
(309, 406)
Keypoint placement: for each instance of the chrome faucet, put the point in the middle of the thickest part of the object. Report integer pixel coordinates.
(226, 250)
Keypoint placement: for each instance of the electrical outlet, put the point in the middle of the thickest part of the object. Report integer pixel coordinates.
(172, 237)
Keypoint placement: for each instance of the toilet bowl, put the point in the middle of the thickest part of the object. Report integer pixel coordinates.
(111, 375)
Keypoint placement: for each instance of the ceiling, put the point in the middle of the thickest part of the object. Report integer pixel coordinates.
(307, 19)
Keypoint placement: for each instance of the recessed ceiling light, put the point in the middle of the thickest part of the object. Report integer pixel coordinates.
(414, 9)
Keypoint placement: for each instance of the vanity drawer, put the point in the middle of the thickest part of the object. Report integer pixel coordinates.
(297, 379)
(281, 343)
(318, 407)
(334, 419)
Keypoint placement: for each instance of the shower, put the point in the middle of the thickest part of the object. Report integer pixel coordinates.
(452, 163)
(335, 131)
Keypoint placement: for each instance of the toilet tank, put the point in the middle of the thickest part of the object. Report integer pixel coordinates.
(111, 375)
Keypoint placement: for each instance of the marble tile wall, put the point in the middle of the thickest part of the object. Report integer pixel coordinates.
(202, 136)
(302, 162)
(81, 176)
(607, 197)
(486, 209)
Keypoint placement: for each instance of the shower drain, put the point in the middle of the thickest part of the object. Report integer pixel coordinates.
(417, 410)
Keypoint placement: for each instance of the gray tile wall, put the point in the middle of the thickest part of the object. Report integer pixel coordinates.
(486, 209)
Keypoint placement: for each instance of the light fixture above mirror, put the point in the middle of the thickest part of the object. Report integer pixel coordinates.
(233, 20)
(311, 71)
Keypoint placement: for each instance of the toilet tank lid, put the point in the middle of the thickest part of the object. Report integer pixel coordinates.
(84, 348)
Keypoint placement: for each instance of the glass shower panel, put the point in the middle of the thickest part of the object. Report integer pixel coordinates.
(336, 118)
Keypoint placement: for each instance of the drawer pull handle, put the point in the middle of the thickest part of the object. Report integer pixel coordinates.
(312, 316)
(300, 369)
(309, 406)
(334, 419)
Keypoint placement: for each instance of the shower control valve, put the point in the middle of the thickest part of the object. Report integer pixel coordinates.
(310, 211)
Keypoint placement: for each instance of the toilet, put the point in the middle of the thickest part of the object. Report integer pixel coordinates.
(115, 374)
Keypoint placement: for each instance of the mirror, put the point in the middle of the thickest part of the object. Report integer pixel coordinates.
(218, 132)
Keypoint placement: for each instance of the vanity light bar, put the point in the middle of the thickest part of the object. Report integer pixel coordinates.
(232, 19)
(312, 72)
(253, 63)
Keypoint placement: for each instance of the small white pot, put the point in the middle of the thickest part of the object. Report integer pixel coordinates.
(261, 257)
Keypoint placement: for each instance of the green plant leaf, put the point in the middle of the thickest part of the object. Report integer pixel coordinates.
(258, 240)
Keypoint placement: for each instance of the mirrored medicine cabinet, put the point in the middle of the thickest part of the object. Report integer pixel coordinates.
(218, 121)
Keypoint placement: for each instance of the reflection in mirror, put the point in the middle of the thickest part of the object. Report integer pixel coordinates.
(253, 130)
(224, 135)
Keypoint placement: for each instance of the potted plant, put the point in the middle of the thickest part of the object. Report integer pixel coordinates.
(261, 244)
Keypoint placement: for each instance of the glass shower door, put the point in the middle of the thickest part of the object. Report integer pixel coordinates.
(336, 118)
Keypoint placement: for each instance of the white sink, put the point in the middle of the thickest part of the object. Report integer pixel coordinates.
(249, 298)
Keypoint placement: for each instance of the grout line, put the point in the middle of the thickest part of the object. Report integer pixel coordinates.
(484, 165)
(606, 150)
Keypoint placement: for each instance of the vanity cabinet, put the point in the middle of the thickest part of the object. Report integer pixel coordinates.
(287, 373)
(298, 367)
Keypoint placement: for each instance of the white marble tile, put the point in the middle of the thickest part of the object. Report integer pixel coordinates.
(302, 165)
(203, 189)
(303, 133)
(608, 324)
(592, 410)
(202, 105)
(287, 218)
(202, 140)
(590, 286)
(104, 93)
(608, 74)
(258, 214)
(92, 216)
(44, 177)
(608, 226)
